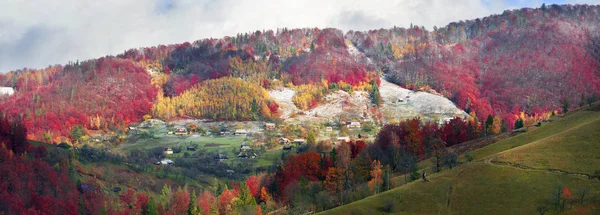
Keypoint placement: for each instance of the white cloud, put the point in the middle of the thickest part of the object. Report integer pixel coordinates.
(37, 33)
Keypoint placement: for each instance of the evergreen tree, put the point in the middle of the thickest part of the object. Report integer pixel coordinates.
(488, 123)
(565, 105)
(245, 197)
(333, 155)
(192, 208)
(375, 97)
(151, 207)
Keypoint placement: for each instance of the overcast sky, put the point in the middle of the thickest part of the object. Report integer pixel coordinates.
(38, 33)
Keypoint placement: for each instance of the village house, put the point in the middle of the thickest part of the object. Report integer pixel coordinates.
(287, 147)
(354, 125)
(270, 126)
(363, 136)
(165, 162)
(283, 140)
(191, 148)
(245, 148)
(240, 132)
(181, 131)
(299, 141)
(168, 151)
(242, 155)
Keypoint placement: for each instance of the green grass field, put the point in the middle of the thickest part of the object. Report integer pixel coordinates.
(576, 150)
(570, 144)
(208, 143)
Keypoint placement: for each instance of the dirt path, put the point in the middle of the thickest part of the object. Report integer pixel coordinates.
(491, 161)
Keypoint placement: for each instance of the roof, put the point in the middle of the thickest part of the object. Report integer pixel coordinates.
(298, 140)
(246, 147)
(269, 124)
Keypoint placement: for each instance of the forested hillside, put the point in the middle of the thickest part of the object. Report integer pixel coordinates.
(528, 60)
(531, 60)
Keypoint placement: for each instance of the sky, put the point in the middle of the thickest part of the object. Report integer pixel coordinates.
(39, 33)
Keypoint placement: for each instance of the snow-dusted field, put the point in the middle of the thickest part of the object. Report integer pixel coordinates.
(356, 106)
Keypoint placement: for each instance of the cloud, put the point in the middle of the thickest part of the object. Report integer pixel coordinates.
(38, 33)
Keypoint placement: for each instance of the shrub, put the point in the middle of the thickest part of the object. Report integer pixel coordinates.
(469, 157)
(389, 205)
(64, 145)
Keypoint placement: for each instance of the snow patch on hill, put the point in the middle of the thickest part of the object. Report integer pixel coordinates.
(357, 106)
(401, 103)
(284, 97)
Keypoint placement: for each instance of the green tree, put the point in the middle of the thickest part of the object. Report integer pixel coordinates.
(488, 123)
(77, 133)
(375, 96)
(151, 207)
(565, 105)
(192, 208)
(245, 197)
(311, 137)
(333, 155)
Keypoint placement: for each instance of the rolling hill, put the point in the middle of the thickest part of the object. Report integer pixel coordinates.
(515, 176)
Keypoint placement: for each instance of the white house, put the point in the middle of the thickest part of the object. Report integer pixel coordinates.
(354, 125)
(8, 91)
(168, 151)
(165, 162)
(241, 132)
(299, 141)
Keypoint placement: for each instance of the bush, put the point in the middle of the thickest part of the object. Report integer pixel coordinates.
(469, 157)
(64, 145)
(389, 205)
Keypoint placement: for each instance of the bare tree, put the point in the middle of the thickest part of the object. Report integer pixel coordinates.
(581, 193)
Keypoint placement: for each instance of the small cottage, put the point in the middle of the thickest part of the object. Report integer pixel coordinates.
(242, 155)
(287, 147)
(283, 140)
(191, 148)
(240, 132)
(299, 141)
(245, 148)
(355, 125)
(363, 136)
(181, 131)
(165, 162)
(168, 151)
(270, 126)
(328, 129)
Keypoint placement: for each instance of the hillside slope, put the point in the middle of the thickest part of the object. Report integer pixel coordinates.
(539, 161)
(526, 60)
